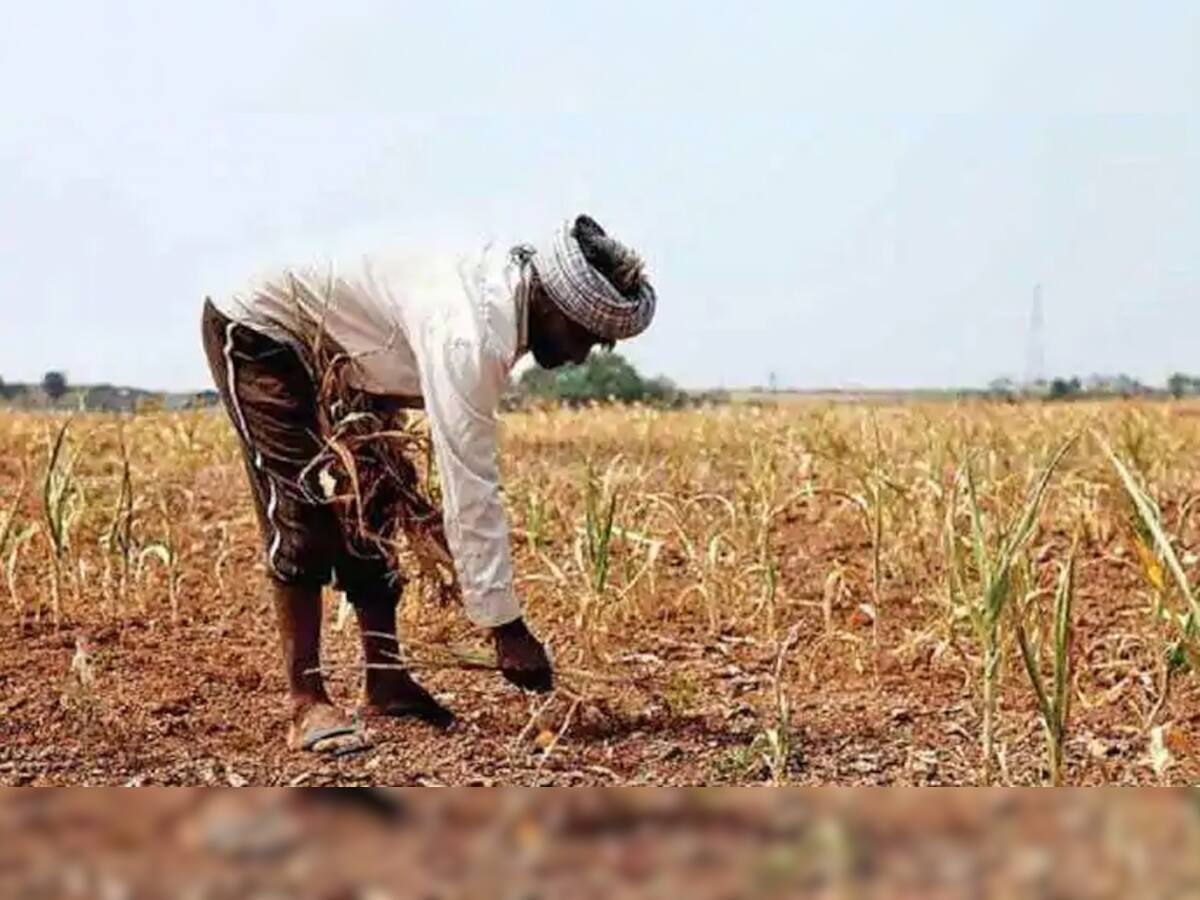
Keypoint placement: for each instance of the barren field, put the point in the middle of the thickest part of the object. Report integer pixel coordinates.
(809, 594)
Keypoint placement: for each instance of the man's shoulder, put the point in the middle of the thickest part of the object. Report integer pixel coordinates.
(437, 267)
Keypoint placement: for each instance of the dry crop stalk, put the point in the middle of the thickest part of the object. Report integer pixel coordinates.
(1053, 703)
(596, 553)
(1189, 619)
(11, 540)
(9, 528)
(60, 508)
(994, 568)
(118, 538)
(778, 737)
(876, 484)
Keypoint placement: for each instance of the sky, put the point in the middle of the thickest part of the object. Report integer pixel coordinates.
(842, 194)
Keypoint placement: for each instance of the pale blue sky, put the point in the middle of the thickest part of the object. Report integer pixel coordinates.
(851, 193)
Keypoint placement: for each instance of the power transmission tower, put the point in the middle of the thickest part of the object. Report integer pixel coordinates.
(1035, 361)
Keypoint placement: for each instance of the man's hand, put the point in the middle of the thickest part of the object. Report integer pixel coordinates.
(522, 657)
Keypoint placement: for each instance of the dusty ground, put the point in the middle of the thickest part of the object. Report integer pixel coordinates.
(201, 704)
(681, 691)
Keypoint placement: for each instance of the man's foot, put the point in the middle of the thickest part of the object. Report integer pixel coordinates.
(320, 727)
(522, 658)
(394, 693)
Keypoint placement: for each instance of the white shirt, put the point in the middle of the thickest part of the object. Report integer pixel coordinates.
(444, 330)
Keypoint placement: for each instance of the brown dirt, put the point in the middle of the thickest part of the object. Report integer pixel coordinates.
(201, 702)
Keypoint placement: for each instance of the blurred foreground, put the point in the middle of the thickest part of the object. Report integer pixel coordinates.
(225, 843)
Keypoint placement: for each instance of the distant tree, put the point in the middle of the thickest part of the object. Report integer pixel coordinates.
(662, 390)
(1062, 388)
(3, 390)
(54, 384)
(1002, 388)
(1128, 386)
(603, 377)
(1181, 385)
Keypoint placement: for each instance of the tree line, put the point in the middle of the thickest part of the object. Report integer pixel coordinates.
(610, 377)
(55, 391)
(1178, 385)
(54, 385)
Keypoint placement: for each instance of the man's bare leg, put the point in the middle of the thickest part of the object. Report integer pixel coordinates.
(298, 612)
(390, 690)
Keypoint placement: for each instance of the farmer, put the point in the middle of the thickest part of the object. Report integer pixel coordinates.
(436, 333)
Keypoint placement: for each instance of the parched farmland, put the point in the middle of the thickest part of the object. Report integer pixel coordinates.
(811, 594)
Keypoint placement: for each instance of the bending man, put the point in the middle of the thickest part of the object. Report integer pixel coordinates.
(436, 333)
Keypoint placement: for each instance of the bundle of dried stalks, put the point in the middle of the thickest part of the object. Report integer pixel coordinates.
(368, 471)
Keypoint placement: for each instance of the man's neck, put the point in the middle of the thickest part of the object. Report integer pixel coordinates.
(521, 299)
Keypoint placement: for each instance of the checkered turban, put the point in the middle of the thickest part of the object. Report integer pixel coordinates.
(585, 295)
